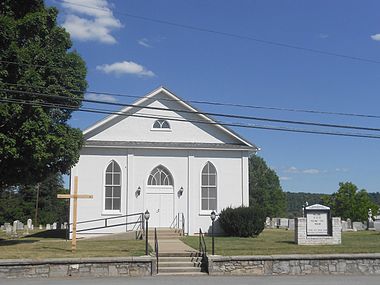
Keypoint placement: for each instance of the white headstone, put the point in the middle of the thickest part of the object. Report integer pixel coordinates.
(15, 226)
(29, 224)
(20, 226)
(358, 226)
(8, 229)
(41, 227)
(54, 226)
(284, 223)
(376, 225)
(317, 220)
(344, 226)
(349, 224)
(267, 222)
(65, 225)
(291, 225)
(48, 227)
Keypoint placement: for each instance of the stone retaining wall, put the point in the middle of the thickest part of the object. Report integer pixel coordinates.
(94, 267)
(358, 264)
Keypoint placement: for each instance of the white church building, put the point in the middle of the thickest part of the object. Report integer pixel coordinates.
(162, 155)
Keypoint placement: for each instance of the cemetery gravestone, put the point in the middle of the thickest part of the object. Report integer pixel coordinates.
(291, 225)
(29, 224)
(349, 224)
(48, 227)
(8, 229)
(358, 226)
(20, 226)
(344, 226)
(54, 226)
(283, 223)
(41, 227)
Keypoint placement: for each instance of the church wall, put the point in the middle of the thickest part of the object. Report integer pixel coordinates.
(136, 165)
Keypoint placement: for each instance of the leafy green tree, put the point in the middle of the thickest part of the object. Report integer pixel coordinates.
(349, 202)
(19, 203)
(265, 191)
(35, 56)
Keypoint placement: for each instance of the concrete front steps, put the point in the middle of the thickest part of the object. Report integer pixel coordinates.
(181, 263)
(175, 257)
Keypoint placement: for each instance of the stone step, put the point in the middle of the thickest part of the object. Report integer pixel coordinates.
(181, 273)
(178, 269)
(179, 264)
(179, 254)
(179, 259)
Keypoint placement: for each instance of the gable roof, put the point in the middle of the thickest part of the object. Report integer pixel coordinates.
(186, 105)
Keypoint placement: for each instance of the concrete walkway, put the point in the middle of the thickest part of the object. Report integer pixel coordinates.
(172, 245)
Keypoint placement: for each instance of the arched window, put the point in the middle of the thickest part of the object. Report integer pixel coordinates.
(208, 187)
(113, 187)
(161, 124)
(160, 176)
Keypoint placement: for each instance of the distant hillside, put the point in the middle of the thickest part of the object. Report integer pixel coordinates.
(296, 200)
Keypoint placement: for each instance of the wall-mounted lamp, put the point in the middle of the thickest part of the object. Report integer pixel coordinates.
(138, 191)
(180, 192)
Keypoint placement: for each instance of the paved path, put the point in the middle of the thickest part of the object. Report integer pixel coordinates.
(171, 245)
(209, 280)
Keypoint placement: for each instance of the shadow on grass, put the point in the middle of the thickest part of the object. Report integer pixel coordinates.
(58, 234)
(15, 241)
(286, 241)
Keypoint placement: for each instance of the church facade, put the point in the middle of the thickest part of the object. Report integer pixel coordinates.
(162, 155)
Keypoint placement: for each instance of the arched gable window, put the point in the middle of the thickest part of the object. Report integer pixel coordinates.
(160, 176)
(209, 188)
(113, 187)
(161, 124)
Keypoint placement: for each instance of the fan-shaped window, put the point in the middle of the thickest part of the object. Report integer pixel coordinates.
(209, 188)
(160, 176)
(113, 187)
(161, 124)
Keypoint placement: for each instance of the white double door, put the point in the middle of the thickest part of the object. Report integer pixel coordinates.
(159, 203)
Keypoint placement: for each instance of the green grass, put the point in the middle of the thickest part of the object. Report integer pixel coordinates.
(51, 244)
(271, 242)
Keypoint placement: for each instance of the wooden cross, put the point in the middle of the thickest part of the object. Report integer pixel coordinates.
(76, 196)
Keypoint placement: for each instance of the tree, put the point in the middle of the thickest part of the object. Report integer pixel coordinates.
(348, 202)
(18, 203)
(35, 140)
(265, 191)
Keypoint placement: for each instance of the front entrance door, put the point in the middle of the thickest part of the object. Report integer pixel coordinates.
(159, 202)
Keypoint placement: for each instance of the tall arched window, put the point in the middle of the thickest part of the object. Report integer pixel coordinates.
(209, 188)
(160, 176)
(113, 187)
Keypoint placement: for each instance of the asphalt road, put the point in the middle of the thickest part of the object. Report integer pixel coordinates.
(209, 280)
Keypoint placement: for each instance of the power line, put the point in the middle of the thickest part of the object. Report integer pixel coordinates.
(250, 126)
(232, 116)
(231, 35)
(214, 103)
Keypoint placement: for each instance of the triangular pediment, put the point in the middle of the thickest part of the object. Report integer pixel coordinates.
(187, 125)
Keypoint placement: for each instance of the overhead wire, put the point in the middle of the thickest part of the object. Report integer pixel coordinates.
(213, 103)
(227, 34)
(231, 116)
(250, 126)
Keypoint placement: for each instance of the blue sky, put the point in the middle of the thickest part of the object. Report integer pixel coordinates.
(132, 56)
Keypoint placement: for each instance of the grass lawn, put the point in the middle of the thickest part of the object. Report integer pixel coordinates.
(51, 244)
(271, 242)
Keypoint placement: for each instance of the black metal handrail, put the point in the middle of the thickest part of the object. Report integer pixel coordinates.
(140, 221)
(183, 224)
(156, 247)
(202, 243)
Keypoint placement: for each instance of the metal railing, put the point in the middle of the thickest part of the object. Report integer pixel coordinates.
(156, 247)
(179, 222)
(138, 224)
(202, 244)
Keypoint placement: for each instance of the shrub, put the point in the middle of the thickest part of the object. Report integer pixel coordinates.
(242, 221)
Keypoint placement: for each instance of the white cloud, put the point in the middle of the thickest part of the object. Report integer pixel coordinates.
(311, 171)
(292, 169)
(101, 97)
(285, 178)
(376, 37)
(90, 20)
(295, 170)
(144, 42)
(125, 67)
(323, 36)
(341, 169)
